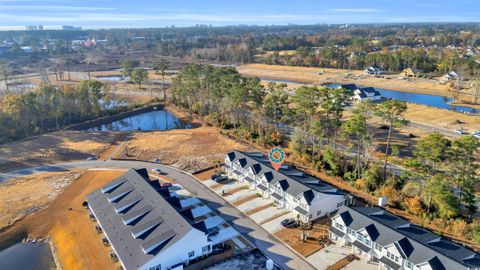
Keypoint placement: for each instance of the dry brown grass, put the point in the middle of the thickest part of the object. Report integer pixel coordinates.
(323, 75)
(53, 147)
(188, 149)
(66, 221)
(26, 195)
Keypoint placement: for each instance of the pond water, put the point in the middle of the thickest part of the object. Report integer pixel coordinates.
(422, 99)
(153, 120)
(112, 78)
(27, 256)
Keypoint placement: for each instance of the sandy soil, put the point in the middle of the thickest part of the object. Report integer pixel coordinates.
(188, 149)
(442, 118)
(23, 196)
(66, 221)
(325, 75)
(53, 147)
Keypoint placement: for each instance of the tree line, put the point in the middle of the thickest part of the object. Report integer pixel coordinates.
(50, 107)
(438, 184)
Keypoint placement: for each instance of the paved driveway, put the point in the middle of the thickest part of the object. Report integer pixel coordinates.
(253, 232)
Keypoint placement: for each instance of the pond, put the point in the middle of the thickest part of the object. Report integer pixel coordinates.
(153, 120)
(27, 256)
(112, 78)
(441, 102)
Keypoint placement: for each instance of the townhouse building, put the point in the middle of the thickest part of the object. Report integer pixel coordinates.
(378, 236)
(307, 197)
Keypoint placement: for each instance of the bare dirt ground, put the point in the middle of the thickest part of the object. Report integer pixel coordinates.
(53, 147)
(327, 75)
(187, 149)
(73, 234)
(23, 196)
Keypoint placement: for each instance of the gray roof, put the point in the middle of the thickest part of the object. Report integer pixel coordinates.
(138, 221)
(292, 181)
(416, 244)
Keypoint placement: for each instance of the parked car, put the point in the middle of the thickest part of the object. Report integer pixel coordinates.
(85, 204)
(166, 185)
(158, 171)
(214, 176)
(289, 223)
(220, 178)
(476, 134)
(92, 158)
(459, 131)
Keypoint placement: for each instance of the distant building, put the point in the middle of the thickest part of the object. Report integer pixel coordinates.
(393, 243)
(410, 72)
(373, 70)
(40, 27)
(71, 28)
(307, 197)
(359, 94)
(451, 76)
(147, 227)
(31, 27)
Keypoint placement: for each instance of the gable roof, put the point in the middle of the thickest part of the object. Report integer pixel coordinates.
(292, 181)
(139, 223)
(417, 244)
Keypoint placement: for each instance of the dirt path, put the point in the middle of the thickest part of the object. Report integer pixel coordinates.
(66, 221)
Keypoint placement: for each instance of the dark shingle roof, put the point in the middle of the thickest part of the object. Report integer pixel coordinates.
(292, 181)
(417, 244)
(146, 223)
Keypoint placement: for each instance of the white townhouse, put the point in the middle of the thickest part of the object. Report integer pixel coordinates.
(394, 243)
(146, 226)
(291, 189)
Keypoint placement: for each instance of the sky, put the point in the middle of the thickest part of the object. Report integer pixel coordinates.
(16, 14)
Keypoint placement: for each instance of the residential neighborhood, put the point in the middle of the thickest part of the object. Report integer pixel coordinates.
(239, 135)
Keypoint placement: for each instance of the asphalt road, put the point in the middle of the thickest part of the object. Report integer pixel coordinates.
(269, 245)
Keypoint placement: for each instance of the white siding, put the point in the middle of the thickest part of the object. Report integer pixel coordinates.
(178, 252)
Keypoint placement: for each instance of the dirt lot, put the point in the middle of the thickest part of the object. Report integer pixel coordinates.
(291, 236)
(26, 195)
(53, 147)
(324, 75)
(187, 149)
(66, 221)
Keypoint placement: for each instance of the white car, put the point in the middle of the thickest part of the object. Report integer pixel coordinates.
(476, 134)
(459, 131)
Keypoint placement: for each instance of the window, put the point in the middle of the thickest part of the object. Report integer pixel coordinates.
(409, 265)
(339, 204)
(378, 247)
(338, 225)
(350, 231)
(191, 254)
(319, 213)
(206, 249)
(392, 257)
(158, 267)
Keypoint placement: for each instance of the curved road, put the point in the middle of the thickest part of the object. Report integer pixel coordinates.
(269, 245)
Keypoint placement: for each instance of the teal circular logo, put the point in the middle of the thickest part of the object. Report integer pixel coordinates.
(276, 155)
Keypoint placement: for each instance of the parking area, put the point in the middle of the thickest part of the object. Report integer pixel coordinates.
(315, 246)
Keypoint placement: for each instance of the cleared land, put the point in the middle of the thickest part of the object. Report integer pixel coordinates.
(53, 147)
(328, 75)
(73, 234)
(26, 195)
(187, 149)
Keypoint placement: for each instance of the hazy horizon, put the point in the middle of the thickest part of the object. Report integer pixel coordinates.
(52, 14)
